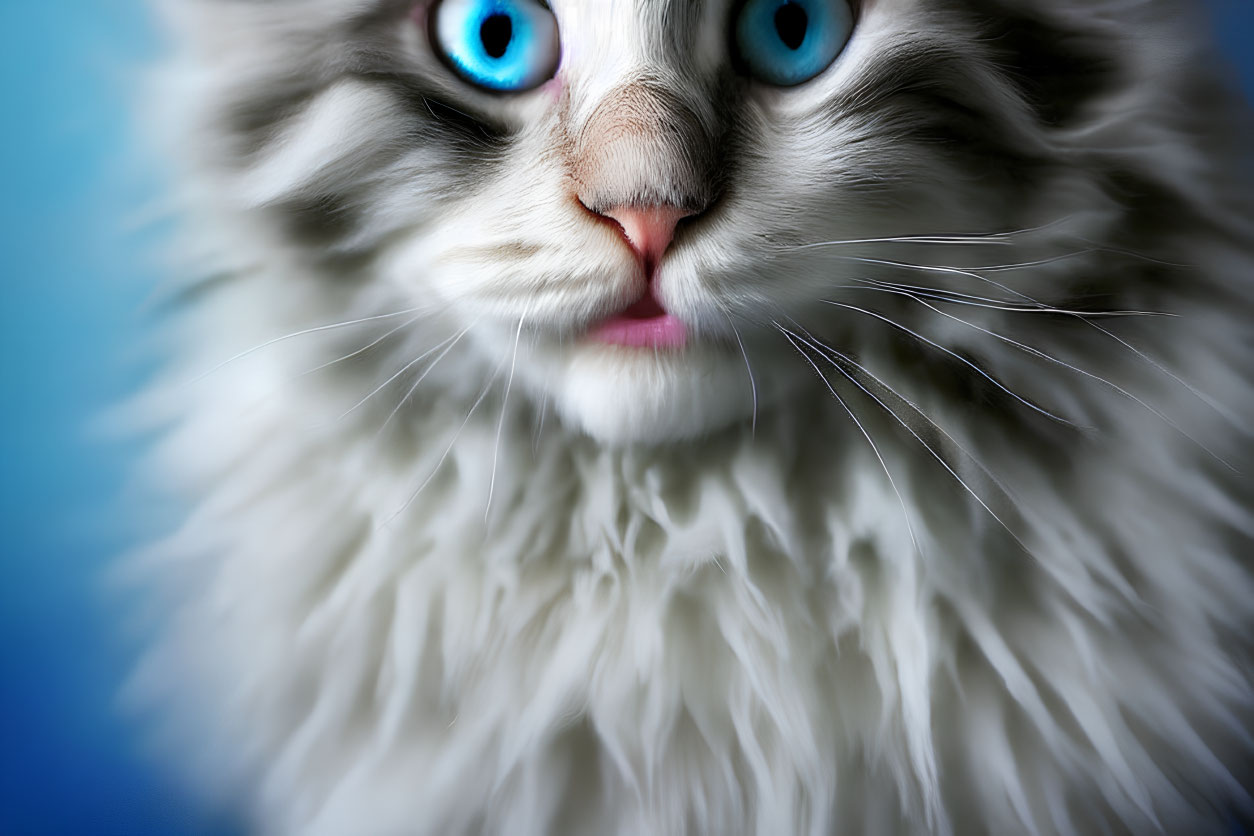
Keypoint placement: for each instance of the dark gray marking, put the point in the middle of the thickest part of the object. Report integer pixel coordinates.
(317, 221)
(1058, 69)
(437, 119)
(935, 94)
(257, 120)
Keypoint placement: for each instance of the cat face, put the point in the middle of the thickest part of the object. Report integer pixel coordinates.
(627, 241)
(625, 205)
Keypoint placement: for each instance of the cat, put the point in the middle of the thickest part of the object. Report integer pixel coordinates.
(672, 417)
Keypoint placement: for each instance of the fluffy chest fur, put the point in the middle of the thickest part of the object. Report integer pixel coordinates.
(932, 522)
(741, 636)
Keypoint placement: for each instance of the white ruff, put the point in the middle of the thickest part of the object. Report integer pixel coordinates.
(731, 636)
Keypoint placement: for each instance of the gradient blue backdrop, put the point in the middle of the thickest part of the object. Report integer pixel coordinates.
(71, 194)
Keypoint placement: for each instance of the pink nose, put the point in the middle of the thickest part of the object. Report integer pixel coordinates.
(649, 229)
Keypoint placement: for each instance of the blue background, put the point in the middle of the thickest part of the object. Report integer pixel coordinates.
(72, 195)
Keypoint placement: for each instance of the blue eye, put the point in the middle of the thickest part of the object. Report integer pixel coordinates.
(505, 45)
(786, 42)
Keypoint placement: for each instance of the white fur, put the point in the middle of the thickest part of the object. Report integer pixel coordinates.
(553, 587)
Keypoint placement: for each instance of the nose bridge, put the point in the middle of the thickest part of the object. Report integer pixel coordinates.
(645, 144)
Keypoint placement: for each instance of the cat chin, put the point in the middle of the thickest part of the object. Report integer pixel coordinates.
(638, 396)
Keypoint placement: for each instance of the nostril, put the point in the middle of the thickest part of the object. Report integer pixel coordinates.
(604, 218)
(649, 230)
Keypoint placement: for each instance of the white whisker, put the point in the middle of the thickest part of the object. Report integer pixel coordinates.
(828, 350)
(1043, 262)
(363, 349)
(792, 338)
(393, 378)
(960, 359)
(953, 297)
(898, 240)
(1219, 408)
(1035, 352)
(500, 425)
(447, 450)
(316, 330)
(976, 238)
(925, 268)
(427, 371)
(1211, 402)
(753, 385)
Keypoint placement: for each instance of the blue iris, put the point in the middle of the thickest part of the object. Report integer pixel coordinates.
(786, 42)
(505, 45)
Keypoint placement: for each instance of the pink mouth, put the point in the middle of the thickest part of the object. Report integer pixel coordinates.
(646, 324)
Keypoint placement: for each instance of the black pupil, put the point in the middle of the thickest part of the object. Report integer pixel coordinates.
(790, 22)
(496, 33)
